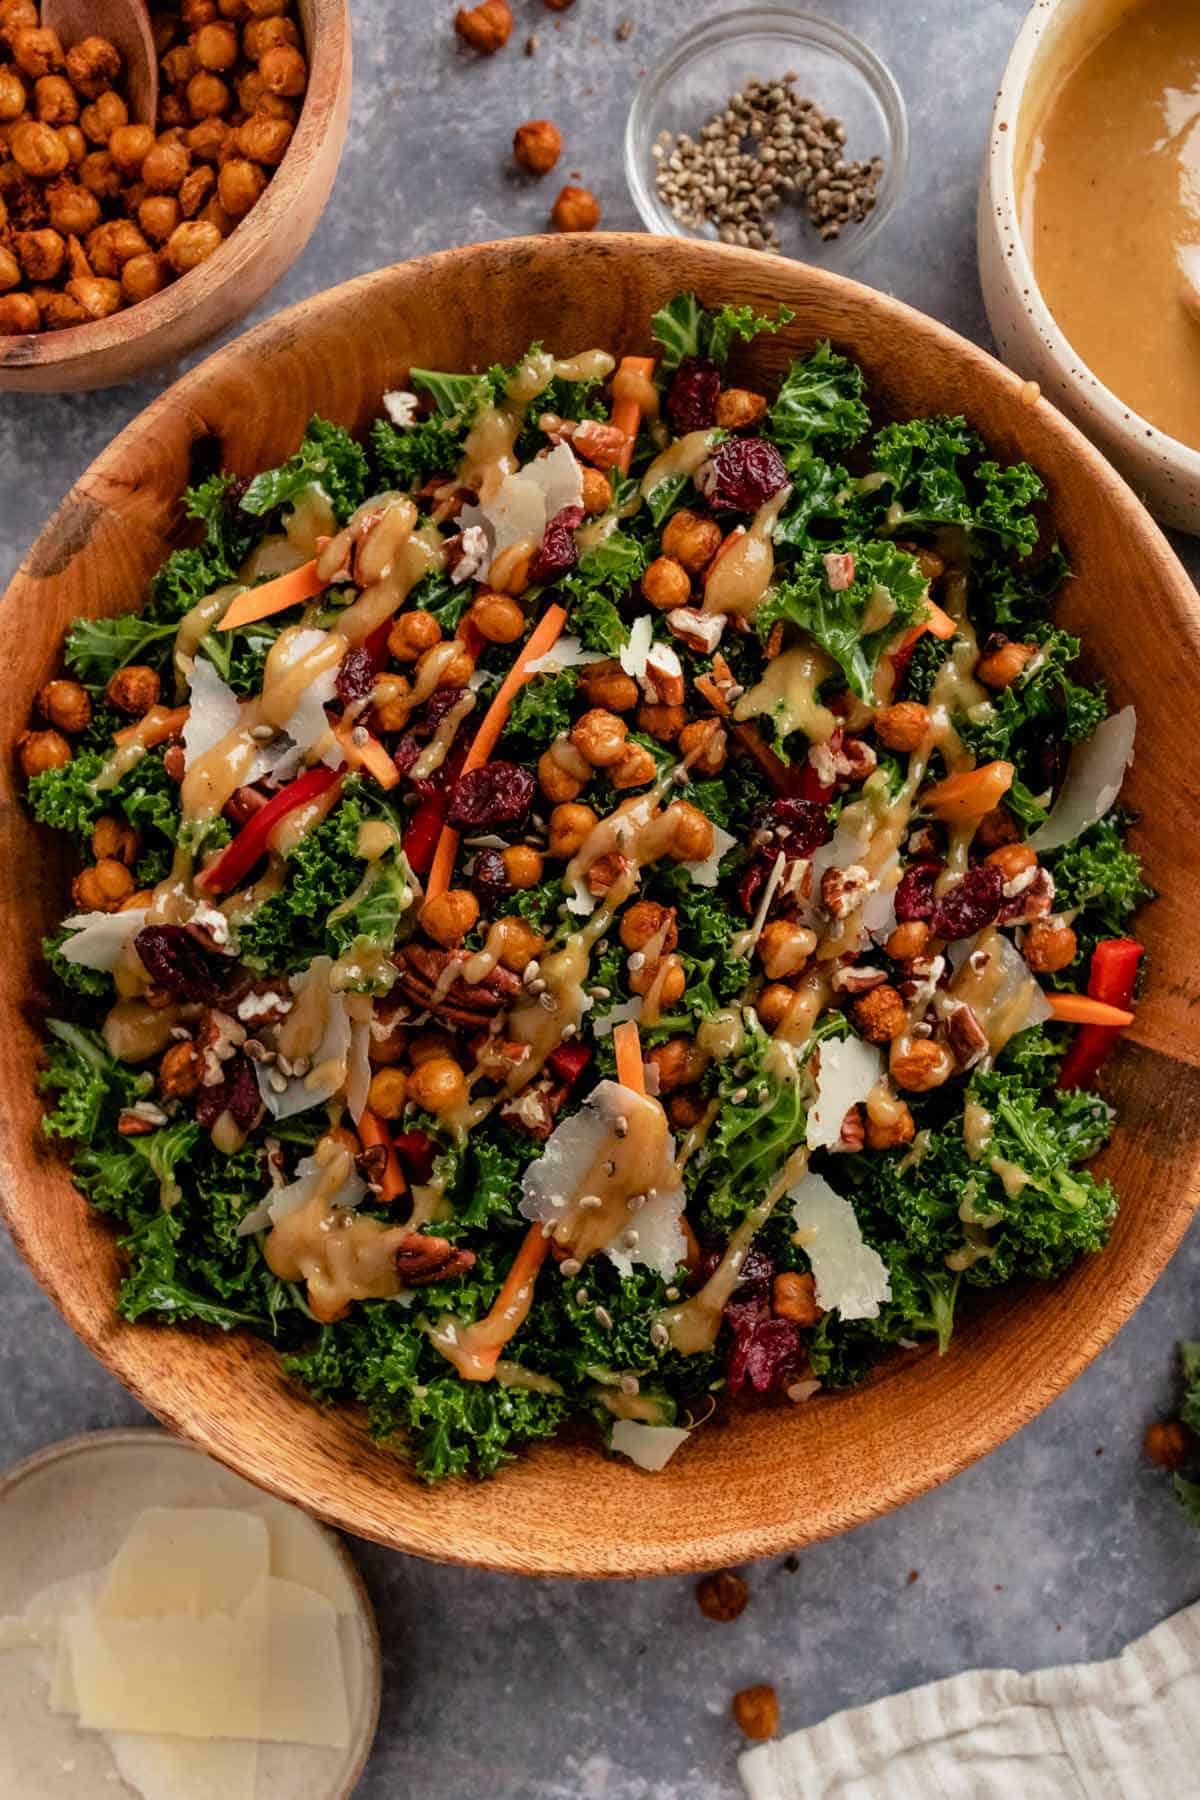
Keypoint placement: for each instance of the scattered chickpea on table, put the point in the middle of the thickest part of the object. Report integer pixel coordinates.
(97, 212)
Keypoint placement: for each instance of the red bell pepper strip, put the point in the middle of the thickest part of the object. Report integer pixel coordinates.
(236, 861)
(420, 836)
(1112, 978)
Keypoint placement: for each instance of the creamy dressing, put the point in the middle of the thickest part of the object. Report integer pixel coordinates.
(489, 454)
(977, 1129)
(683, 457)
(341, 1255)
(787, 694)
(633, 387)
(739, 579)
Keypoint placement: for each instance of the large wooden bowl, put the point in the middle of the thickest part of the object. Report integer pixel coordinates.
(233, 280)
(769, 1479)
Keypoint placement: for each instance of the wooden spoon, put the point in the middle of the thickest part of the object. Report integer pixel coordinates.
(125, 23)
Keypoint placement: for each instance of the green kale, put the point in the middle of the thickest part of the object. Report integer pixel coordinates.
(575, 400)
(820, 403)
(492, 1180)
(935, 476)
(329, 458)
(230, 530)
(73, 977)
(66, 800)
(459, 399)
(375, 917)
(96, 648)
(240, 656)
(538, 904)
(1003, 597)
(602, 578)
(1100, 874)
(1042, 699)
(406, 456)
(816, 508)
(835, 618)
(542, 710)
(1189, 1365)
(89, 1086)
(922, 1305)
(684, 327)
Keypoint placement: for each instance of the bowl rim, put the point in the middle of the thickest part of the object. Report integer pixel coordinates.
(800, 26)
(72, 348)
(505, 1545)
(1003, 137)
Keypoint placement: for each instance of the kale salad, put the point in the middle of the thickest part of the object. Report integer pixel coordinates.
(600, 902)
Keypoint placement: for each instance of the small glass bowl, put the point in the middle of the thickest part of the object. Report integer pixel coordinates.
(696, 77)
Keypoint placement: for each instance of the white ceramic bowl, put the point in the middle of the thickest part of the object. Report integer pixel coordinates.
(1164, 472)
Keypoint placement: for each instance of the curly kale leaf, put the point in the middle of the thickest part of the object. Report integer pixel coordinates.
(1042, 698)
(685, 327)
(936, 476)
(96, 648)
(328, 457)
(835, 618)
(73, 977)
(816, 508)
(66, 800)
(1003, 597)
(89, 1087)
(542, 709)
(593, 588)
(1102, 877)
(819, 404)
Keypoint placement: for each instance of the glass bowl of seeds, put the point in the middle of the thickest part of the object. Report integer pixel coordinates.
(772, 129)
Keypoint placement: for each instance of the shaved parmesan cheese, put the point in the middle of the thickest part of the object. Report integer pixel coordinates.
(634, 653)
(624, 1010)
(661, 1245)
(213, 712)
(326, 1075)
(203, 1559)
(101, 937)
(281, 1202)
(304, 1701)
(302, 1553)
(167, 1768)
(649, 1446)
(358, 1071)
(308, 726)
(706, 873)
(560, 478)
(1094, 776)
(516, 512)
(847, 1070)
(567, 653)
(401, 407)
(851, 1278)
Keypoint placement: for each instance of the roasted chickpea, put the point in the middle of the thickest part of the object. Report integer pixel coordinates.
(485, 27)
(73, 211)
(523, 865)
(198, 13)
(98, 297)
(705, 744)
(691, 833)
(665, 978)
(174, 113)
(19, 314)
(38, 150)
(570, 826)
(756, 1711)
(165, 167)
(773, 1004)
(562, 771)
(576, 209)
(178, 66)
(40, 253)
(455, 673)
(10, 270)
(55, 101)
(691, 540)
(497, 618)
(784, 948)
(66, 705)
(388, 1093)
(266, 34)
(112, 245)
(537, 146)
(215, 47)
(1050, 944)
(995, 828)
(599, 736)
(392, 703)
(606, 684)
(1003, 662)
(794, 1297)
(115, 840)
(678, 1063)
(1012, 859)
(102, 117)
(16, 15)
(134, 689)
(283, 71)
(100, 175)
(196, 190)
(209, 141)
(438, 1086)
(509, 572)
(412, 634)
(12, 95)
(103, 887)
(1168, 1444)
(264, 139)
(903, 726)
(432, 1041)
(236, 10)
(76, 144)
(686, 1109)
(519, 943)
(142, 278)
(208, 97)
(930, 564)
(448, 917)
(880, 1015)
(192, 243)
(129, 146)
(889, 1124)
(633, 768)
(919, 1064)
(158, 216)
(93, 65)
(738, 408)
(37, 51)
(908, 940)
(647, 923)
(597, 492)
(266, 9)
(662, 722)
(666, 584)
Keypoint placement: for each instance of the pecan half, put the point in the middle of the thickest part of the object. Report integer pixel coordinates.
(421, 1258)
(469, 1004)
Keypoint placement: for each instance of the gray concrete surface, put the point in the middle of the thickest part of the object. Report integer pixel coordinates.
(1063, 1544)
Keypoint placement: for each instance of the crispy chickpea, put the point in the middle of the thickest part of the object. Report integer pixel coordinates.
(251, 92)
(392, 703)
(678, 1063)
(134, 689)
(76, 144)
(93, 65)
(129, 146)
(40, 253)
(37, 51)
(73, 211)
(691, 540)
(66, 705)
(115, 840)
(519, 943)
(1012, 859)
(691, 833)
(666, 584)
(576, 209)
(662, 722)
(756, 1711)
(722, 1596)
(388, 1093)
(794, 1297)
(570, 826)
(192, 243)
(283, 71)
(1168, 1444)
(165, 167)
(55, 101)
(903, 726)
(38, 150)
(208, 97)
(599, 736)
(39, 751)
(412, 634)
(509, 572)
(158, 215)
(485, 27)
(645, 923)
(438, 1086)
(12, 95)
(178, 66)
(102, 117)
(919, 1064)
(198, 13)
(784, 948)
(424, 1045)
(773, 1004)
(880, 1015)
(264, 139)
(537, 146)
(179, 1071)
(562, 771)
(196, 190)
(266, 9)
(1002, 663)
(173, 113)
(98, 296)
(448, 917)
(686, 1109)
(209, 141)
(606, 684)
(705, 743)
(497, 617)
(10, 270)
(908, 940)
(18, 314)
(457, 671)
(236, 10)
(112, 244)
(597, 492)
(100, 175)
(523, 865)
(103, 887)
(215, 47)
(632, 769)
(1050, 944)
(665, 977)
(738, 408)
(889, 1127)
(264, 34)
(142, 278)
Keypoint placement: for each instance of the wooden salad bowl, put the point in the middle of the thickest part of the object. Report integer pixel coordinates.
(234, 279)
(761, 1480)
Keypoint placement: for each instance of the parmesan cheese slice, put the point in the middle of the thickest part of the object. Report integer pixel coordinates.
(199, 1560)
(847, 1071)
(649, 1446)
(301, 1554)
(160, 1767)
(304, 1701)
(851, 1278)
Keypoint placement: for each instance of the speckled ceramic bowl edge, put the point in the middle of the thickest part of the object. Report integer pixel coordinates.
(1164, 472)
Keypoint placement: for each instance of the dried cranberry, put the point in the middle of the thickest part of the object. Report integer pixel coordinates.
(439, 703)
(744, 474)
(489, 878)
(767, 1352)
(175, 961)
(568, 1062)
(416, 1152)
(692, 400)
(970, 904)
(559, 551)
(406, 751)
(797, 827)
(915, 897)
(237, 1095)
(499, 793)
(355, 676)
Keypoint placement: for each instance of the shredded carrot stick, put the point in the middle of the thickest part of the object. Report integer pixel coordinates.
(543, 637)
(627, 414)
(292, 589)
(370, 755)
(937, 622)
(510, 1308)
(371, 1131)
(155, 727)
(969, 794)
(1081, 1009)
(628, 1048)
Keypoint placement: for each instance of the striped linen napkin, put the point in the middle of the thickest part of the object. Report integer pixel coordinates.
(1128, 1729)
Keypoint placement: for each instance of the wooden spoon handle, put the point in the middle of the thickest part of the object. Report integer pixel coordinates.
(125, 23)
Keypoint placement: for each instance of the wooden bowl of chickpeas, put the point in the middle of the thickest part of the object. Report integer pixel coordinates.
(125, 244)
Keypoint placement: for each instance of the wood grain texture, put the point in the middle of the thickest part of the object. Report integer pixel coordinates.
(125, 23)
(766, 1479)
(233, 280)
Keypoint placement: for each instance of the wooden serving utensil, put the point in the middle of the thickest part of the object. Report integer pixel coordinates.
(125, 23)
